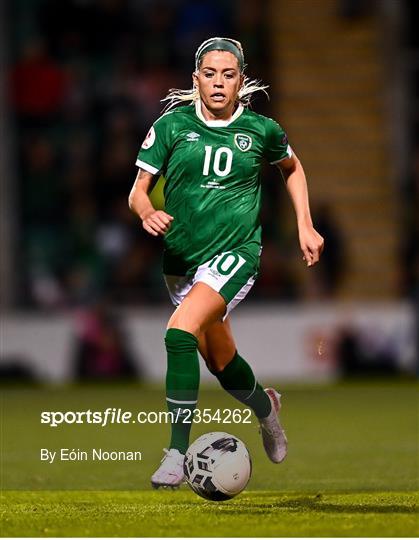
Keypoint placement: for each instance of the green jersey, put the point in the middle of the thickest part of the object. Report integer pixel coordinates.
(213, 188)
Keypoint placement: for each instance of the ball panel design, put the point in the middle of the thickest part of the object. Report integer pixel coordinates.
(217, 466)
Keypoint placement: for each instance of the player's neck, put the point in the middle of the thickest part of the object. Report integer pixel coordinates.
(224, 114)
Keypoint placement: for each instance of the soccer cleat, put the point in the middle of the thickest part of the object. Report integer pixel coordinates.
(273, 436)
(170, 473)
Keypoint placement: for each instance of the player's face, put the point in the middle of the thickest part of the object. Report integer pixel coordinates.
(218, 81)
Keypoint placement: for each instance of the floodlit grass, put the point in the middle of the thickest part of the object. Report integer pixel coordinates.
(146, 513)
(352, 468)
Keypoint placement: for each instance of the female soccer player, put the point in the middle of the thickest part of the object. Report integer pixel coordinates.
(210, 152)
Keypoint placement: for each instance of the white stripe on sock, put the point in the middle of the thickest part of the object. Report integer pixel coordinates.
(182, 402)
(253, 391)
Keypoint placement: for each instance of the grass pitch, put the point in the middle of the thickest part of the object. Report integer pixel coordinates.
(352, 468)
(254, 513)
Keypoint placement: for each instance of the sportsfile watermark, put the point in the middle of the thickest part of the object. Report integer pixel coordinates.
(113, 415)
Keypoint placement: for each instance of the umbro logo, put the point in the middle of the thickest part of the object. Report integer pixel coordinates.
(192, 136)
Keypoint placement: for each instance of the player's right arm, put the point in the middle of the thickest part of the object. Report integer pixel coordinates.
(155, 222)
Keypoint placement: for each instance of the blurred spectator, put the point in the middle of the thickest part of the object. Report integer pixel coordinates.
(102, 351)
(38, 83)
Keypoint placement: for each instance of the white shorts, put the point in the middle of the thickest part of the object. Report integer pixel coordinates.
(229, 274)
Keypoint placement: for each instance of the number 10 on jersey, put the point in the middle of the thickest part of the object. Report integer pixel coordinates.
(221, 154)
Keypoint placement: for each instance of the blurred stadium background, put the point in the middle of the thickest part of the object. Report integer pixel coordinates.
(81, 288)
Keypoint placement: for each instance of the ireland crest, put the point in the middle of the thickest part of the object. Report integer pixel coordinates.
(243, 142)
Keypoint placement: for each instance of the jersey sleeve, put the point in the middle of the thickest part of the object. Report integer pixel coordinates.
(276, 142)
(154, 151)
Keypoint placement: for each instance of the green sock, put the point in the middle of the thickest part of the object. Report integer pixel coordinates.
(239, 381)
(182, 383)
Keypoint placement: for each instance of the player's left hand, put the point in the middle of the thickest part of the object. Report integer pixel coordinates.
(311, 243)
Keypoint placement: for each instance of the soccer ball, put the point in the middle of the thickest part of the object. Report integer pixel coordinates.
(217, 466)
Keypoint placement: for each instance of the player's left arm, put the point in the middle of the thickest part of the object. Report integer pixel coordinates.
(311, 242)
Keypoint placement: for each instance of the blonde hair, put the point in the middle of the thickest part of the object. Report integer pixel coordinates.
(177, 96)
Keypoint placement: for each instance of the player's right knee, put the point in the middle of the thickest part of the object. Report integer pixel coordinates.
(183, 321)
(190, 328)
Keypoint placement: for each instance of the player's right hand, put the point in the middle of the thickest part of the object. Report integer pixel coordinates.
(157, 223)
